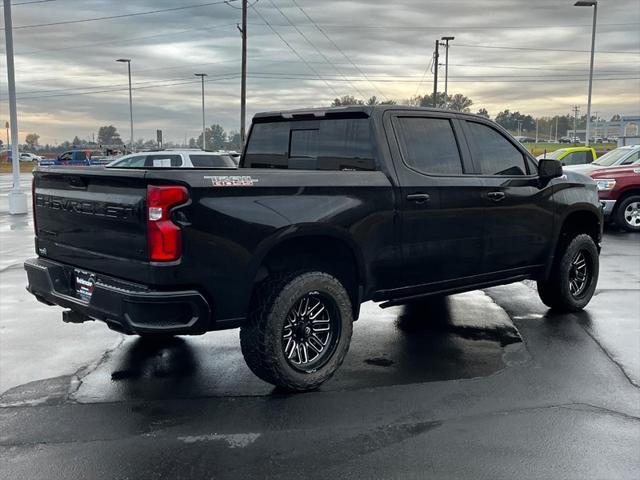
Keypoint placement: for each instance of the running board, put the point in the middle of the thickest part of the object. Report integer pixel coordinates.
(449, 291)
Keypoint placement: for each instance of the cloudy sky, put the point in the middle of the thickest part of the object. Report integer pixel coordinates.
(527, 55)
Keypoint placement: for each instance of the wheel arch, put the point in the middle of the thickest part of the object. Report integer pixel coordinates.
(580, 219)
(309, 246)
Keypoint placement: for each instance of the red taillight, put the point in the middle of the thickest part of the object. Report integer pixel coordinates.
(165, 240)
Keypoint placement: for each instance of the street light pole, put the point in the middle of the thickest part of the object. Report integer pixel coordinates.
(243, 80)
(128, 62)
(17, 198)
(446, 69)
(593, 4)
(204, 138)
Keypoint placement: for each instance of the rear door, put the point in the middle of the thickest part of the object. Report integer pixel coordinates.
(517, 211)
(441, 214)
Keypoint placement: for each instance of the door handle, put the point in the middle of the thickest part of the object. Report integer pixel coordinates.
(418, 197)
(496, 196)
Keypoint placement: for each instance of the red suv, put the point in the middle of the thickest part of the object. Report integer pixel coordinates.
(619, 192)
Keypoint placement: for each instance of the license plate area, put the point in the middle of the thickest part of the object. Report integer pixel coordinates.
(84, 284)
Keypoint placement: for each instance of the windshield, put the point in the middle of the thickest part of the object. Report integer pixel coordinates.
(612, 157)
(552, 155)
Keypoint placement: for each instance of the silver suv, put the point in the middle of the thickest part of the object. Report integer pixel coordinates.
(184, 158)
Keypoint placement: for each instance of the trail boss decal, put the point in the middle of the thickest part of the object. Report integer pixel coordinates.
(232, 180)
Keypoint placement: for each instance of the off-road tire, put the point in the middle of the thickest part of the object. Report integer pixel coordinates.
(555, 291)
(261, 337)
(619, 215)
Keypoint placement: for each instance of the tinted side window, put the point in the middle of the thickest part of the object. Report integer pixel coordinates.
(330, 144)
(494, 153)
(212, 161)
(429, 145)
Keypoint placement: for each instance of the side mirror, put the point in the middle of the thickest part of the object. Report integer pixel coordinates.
(549, 169)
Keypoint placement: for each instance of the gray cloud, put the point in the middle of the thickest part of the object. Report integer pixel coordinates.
(390, 41)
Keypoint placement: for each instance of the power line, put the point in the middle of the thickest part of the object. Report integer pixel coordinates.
(124, 40)
(314, 47)
(459, 28)
(337, 47)
(29, 3)
(426, 70)
(276, 76)
(126, 15)
(111, 90)
(500, 47)
(294, 50)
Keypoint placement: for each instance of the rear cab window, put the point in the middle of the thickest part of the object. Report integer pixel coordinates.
(211, 161)
(318, 144)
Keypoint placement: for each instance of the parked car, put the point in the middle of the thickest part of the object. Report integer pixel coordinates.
(619, 192)
(571, 155)
(78, 157)
(175, 159)
(329, 208)
(29, 157)
(619, 157)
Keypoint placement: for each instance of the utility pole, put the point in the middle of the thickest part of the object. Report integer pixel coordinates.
(594, 4)
(519, 127)
(556, 138)
(128, 62)
(436, 57)
(576, 109)
(204, 138)
(446, 69)
(17, 198)
(243, 81)
(536, 130)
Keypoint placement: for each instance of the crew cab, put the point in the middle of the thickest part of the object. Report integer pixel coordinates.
(619, 191)
(329, 208)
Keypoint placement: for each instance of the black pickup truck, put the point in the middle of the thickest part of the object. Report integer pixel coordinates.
(328, 208)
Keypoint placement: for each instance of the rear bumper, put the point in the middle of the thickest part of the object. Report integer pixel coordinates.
(124, 306)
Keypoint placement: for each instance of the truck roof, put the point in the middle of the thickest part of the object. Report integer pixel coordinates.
(358, 110)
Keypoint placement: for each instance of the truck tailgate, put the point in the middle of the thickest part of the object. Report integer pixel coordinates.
(90, 213)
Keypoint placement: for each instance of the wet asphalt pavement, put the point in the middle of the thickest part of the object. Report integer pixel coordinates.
(482, 385)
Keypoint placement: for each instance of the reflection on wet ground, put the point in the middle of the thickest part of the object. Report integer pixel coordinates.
(414, 343)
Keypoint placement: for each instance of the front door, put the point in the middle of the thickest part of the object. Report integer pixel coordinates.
(518, 216)
(440, 206)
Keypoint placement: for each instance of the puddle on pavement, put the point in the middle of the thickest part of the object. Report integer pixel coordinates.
(401, 345)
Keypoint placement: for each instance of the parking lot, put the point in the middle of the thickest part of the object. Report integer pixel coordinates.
(487, 384)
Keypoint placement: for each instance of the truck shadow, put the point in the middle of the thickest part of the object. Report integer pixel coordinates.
(411, 344)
